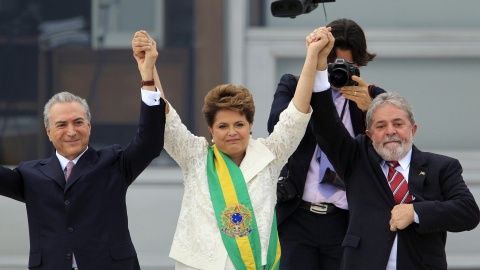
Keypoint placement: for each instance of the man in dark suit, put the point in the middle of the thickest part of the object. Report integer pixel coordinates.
(77, 216)
(312, 222)
(399, 212)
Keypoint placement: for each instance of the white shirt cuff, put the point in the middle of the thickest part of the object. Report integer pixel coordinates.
(321, 81)
(417, 220)
(151, 98)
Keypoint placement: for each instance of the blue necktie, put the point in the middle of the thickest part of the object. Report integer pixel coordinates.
(326, 189)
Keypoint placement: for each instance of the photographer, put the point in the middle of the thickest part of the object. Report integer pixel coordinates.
(312, 209)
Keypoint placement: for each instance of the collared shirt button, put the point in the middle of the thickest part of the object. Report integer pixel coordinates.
(67, 202)
(69, 256)
(70, 229)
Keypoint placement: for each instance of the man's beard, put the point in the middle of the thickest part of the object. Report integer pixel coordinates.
(393, 151)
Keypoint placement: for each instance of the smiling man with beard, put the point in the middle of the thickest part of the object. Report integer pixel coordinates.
(393, 128)
(402, 201)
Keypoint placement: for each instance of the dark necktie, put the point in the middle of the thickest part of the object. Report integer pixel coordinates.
(326, 189)
(69, 169)
(398, 184)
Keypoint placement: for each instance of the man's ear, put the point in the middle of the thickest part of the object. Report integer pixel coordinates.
(369, 134)
(414, 129)
(48, 133)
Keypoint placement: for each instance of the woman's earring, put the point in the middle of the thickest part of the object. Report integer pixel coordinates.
(213, 141)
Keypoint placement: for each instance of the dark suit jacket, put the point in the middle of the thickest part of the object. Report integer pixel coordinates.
(300, 160)
(442, 200)
(87, 215)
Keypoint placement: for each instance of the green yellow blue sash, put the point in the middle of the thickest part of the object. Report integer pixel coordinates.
(235, 217)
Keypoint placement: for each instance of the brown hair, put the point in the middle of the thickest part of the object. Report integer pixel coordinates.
(349, 36)
(230, 97)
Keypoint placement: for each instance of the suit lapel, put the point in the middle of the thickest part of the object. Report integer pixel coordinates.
(417, 174)
(51, 168)
(84, 165)
(258, 156)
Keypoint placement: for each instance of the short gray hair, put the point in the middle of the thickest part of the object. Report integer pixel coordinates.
(64, 97)
(389, 99)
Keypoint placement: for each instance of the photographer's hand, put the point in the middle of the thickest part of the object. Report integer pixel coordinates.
(359, 94)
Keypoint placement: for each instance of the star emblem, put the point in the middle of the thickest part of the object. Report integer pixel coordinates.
(236, 220)
(237, 217)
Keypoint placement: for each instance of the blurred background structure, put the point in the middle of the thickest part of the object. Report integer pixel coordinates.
(428, 52)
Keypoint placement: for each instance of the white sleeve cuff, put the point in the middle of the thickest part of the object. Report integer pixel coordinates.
(321, 81)
(151, 98)
(417, 220)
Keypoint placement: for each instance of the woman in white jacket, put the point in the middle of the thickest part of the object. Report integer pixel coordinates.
(227, 218)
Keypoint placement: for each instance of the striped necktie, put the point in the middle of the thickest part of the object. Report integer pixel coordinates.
(398, 184)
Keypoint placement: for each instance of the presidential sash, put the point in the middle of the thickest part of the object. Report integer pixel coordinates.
(235, 217)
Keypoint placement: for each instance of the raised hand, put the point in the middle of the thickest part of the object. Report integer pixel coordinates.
(317, 35)
(145, 52)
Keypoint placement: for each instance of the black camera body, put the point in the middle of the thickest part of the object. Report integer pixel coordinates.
(340, 73)
(293, 8)
(285, 189)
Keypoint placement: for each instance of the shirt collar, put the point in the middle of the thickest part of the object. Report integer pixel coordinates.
(404, 162)
(63, 160)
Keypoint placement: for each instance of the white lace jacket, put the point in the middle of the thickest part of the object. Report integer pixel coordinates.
(197, 241)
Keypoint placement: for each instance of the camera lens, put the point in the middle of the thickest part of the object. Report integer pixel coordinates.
(338, 77)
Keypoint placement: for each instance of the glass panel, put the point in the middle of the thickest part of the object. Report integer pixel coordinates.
(108, 79)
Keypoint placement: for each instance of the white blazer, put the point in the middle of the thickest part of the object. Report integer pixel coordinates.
(197, 241)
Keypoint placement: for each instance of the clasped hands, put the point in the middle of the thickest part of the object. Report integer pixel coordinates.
(145, 52)
(358, 94)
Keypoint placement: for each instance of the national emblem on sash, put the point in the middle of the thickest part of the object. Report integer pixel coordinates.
(236, 220)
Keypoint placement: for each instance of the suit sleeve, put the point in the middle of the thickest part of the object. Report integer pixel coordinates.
(11, 184)
(331, 134)
(452, 209)
(283, 95)
(147, 143)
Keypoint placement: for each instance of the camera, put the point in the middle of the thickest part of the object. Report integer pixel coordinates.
(285, 189)
(340, 73)
(293, 8)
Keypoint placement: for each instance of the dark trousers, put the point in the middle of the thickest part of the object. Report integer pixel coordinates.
(312, 241)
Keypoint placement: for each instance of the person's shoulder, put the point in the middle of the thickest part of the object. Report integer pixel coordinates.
(363, 139)
(375, 90)
(115, 148)
(435, 158)
(33, 163)
(289, 78)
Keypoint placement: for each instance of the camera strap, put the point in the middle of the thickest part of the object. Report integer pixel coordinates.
(343, 109)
